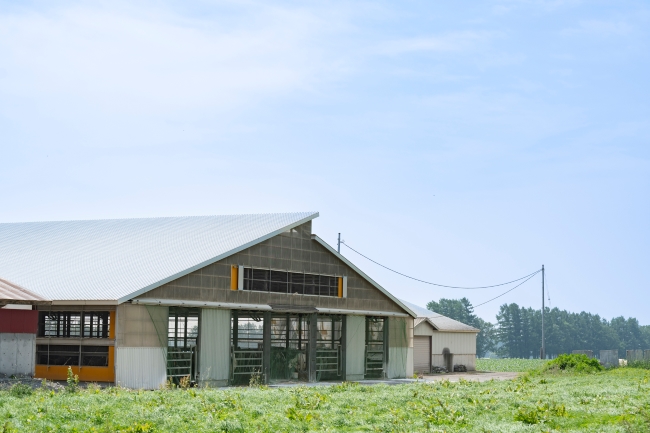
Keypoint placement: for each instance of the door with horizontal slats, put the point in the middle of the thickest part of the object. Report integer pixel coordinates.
(421, 354)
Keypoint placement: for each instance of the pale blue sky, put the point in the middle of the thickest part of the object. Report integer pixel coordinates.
(465, 143)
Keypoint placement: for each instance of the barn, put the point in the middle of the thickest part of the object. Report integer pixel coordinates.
(441, 342)
(215, 300)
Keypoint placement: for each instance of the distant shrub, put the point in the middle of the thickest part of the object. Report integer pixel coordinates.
(639, 364)
(574, 362)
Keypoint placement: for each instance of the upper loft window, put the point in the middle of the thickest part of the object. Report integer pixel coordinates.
(92, 324)
(265, 280)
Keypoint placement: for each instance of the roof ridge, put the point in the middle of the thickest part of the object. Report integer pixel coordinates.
(162, 217)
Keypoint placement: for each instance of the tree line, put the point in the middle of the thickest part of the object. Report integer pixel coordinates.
(518, 331)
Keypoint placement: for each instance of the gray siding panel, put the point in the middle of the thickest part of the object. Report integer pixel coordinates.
(135, 327)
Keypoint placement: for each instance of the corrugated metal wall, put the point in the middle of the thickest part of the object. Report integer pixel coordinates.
(355, 344)
(214, 353)
(140, 367)
(18, 321)
(17, 353)
(457, 342)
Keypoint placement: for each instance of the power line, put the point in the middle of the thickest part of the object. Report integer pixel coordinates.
(435, 284)
(496, 297)
(504, 293)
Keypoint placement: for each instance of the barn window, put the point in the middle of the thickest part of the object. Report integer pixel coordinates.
(265, 280)
(64, 324)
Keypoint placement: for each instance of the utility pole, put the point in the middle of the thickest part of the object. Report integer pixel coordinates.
(543, 351)
(339, 245)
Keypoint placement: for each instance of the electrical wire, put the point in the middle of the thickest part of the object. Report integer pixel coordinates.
(435, 284)
(504, 293)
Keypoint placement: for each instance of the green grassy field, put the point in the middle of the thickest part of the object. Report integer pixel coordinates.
(508, 364)
(611, 401)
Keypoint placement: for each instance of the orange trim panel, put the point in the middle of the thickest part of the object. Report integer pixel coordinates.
(234, 274)
(86, 374)
(340, 287)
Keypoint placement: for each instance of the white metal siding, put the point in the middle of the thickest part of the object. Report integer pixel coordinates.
(457, 343)
(355, 346)
(140, 367)
(17, 353)
(422, 354)
(214, 349)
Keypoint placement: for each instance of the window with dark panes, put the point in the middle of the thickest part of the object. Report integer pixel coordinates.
(264, 280)
(65, 324)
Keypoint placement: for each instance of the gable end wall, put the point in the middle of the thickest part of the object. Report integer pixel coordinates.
(293, 251)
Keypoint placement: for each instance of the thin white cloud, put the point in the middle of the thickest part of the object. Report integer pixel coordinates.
(601, 28)
(451, 42)
(129, 61)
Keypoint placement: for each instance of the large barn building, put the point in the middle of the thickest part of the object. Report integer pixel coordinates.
(220, 299)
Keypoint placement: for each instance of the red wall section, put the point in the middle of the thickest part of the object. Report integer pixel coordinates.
(18, 321)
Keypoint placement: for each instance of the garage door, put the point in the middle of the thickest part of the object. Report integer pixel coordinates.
(422, 354)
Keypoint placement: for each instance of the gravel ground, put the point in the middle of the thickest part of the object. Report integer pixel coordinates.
(476, 376)
(7, 382)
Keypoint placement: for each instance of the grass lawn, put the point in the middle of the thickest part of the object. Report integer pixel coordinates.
(508, 364)
(611, 401)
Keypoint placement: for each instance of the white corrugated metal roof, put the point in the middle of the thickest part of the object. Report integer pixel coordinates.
(438, 321)
(115, 260)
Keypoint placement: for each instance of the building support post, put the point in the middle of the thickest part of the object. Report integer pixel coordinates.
(311, 346)
(266, 346)
(344, 345)
(385, 344)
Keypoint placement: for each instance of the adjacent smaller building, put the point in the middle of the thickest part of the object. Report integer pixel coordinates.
(439, 341)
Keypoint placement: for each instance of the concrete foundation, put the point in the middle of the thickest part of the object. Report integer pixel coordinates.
(17, 353)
